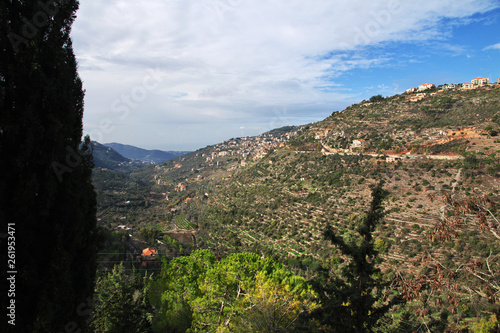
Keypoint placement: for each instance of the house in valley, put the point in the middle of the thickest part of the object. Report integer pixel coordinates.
(148, 252)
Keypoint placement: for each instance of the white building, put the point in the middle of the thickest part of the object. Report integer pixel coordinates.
(359, 143)
(480, 81)
(468, 85)
(426, 86)
(449, 86)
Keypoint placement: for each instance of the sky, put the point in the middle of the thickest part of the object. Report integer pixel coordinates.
(184, 74)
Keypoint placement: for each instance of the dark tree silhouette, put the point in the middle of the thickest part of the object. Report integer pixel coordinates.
(45, 182)
(355, 299)
(376, 98)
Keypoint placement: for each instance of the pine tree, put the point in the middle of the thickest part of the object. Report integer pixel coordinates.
(45, 183)
(121, 303)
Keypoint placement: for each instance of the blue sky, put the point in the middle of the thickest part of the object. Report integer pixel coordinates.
(180, 75)
(468, 51)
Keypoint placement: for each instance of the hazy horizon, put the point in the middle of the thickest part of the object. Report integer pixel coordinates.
(181, 75)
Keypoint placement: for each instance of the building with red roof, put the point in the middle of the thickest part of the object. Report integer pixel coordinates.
(481, 81)
(148, 252)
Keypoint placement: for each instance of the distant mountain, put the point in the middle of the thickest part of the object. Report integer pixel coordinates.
(108, 158)
(152, 156)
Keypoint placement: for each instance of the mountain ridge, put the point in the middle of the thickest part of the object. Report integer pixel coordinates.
(146, 155)
(109, 159)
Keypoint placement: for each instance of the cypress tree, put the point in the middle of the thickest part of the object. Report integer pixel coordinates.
(45, 180)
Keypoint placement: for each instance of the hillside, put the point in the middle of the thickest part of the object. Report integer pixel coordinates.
(108, 158)
(152, 156)
(284, 200)
(158, 188)
(398, 124)
(316, 168)
(276, 193)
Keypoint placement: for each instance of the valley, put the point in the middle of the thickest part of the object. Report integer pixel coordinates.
(275, 194)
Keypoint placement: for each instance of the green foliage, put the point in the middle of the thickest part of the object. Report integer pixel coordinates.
(121, 303)
(182, 223)
(273, 306)
(149, 235)
(380, 245)
(198, 293)
(485, 326)
(170, 241)
(377, 98)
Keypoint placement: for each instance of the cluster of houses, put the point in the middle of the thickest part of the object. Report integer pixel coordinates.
(478, 82)
(242, 148)
(250, 146)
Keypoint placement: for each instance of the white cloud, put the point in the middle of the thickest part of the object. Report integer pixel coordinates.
(492, 47)
(236, 60)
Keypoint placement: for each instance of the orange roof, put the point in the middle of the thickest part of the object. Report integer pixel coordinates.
(479, 78)
(148, 252)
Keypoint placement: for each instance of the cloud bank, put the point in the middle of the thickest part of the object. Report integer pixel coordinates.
(196, 72)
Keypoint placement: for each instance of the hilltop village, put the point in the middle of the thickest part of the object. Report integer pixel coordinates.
(430, 89)
(333, 136)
